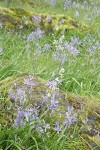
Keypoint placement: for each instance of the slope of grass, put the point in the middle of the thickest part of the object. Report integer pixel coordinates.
(81, 72)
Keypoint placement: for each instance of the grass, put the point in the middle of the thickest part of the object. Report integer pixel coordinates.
(25, 138)
(81, 76)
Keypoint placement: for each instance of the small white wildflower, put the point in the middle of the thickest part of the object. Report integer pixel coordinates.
(77, 14)
(49, 94)
(26, 22)
(24, 17)
(57, 79)
(62, 70)
(63, 37)
(56, 27)
(21, 27)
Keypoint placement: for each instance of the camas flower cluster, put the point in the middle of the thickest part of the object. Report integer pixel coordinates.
(48, 106)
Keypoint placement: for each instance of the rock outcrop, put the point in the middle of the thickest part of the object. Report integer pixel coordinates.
(17, 18)
(22, 93)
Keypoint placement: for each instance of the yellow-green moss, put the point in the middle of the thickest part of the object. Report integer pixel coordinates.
(14, 17)
(9, 25)
(82, 106)
(77, 102)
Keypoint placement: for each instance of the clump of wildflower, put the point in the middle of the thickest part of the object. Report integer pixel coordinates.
(57, 126)
(73, 50)
(67, 4)
(29, 81)
(30, 37)
(70, 117)
(75, 41)
(38, 33)
(54, 83)
(39, 128)
(20, 95)
(21, 27)
(36, 19)
(53, 103)
(47, 46)
(48, 19)
(29, 114)
(18, 120)
(52, 3)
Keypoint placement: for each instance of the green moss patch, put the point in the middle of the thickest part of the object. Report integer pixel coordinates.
(17, 18)
(24, 91)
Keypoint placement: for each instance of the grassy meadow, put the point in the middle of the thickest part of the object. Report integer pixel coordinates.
(71, 55)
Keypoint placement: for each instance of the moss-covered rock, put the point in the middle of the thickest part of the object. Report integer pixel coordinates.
(32, 89)
(23, 92)
(17, 18)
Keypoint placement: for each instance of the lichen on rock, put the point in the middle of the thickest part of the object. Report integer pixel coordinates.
(17, 18)
(22, 93)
